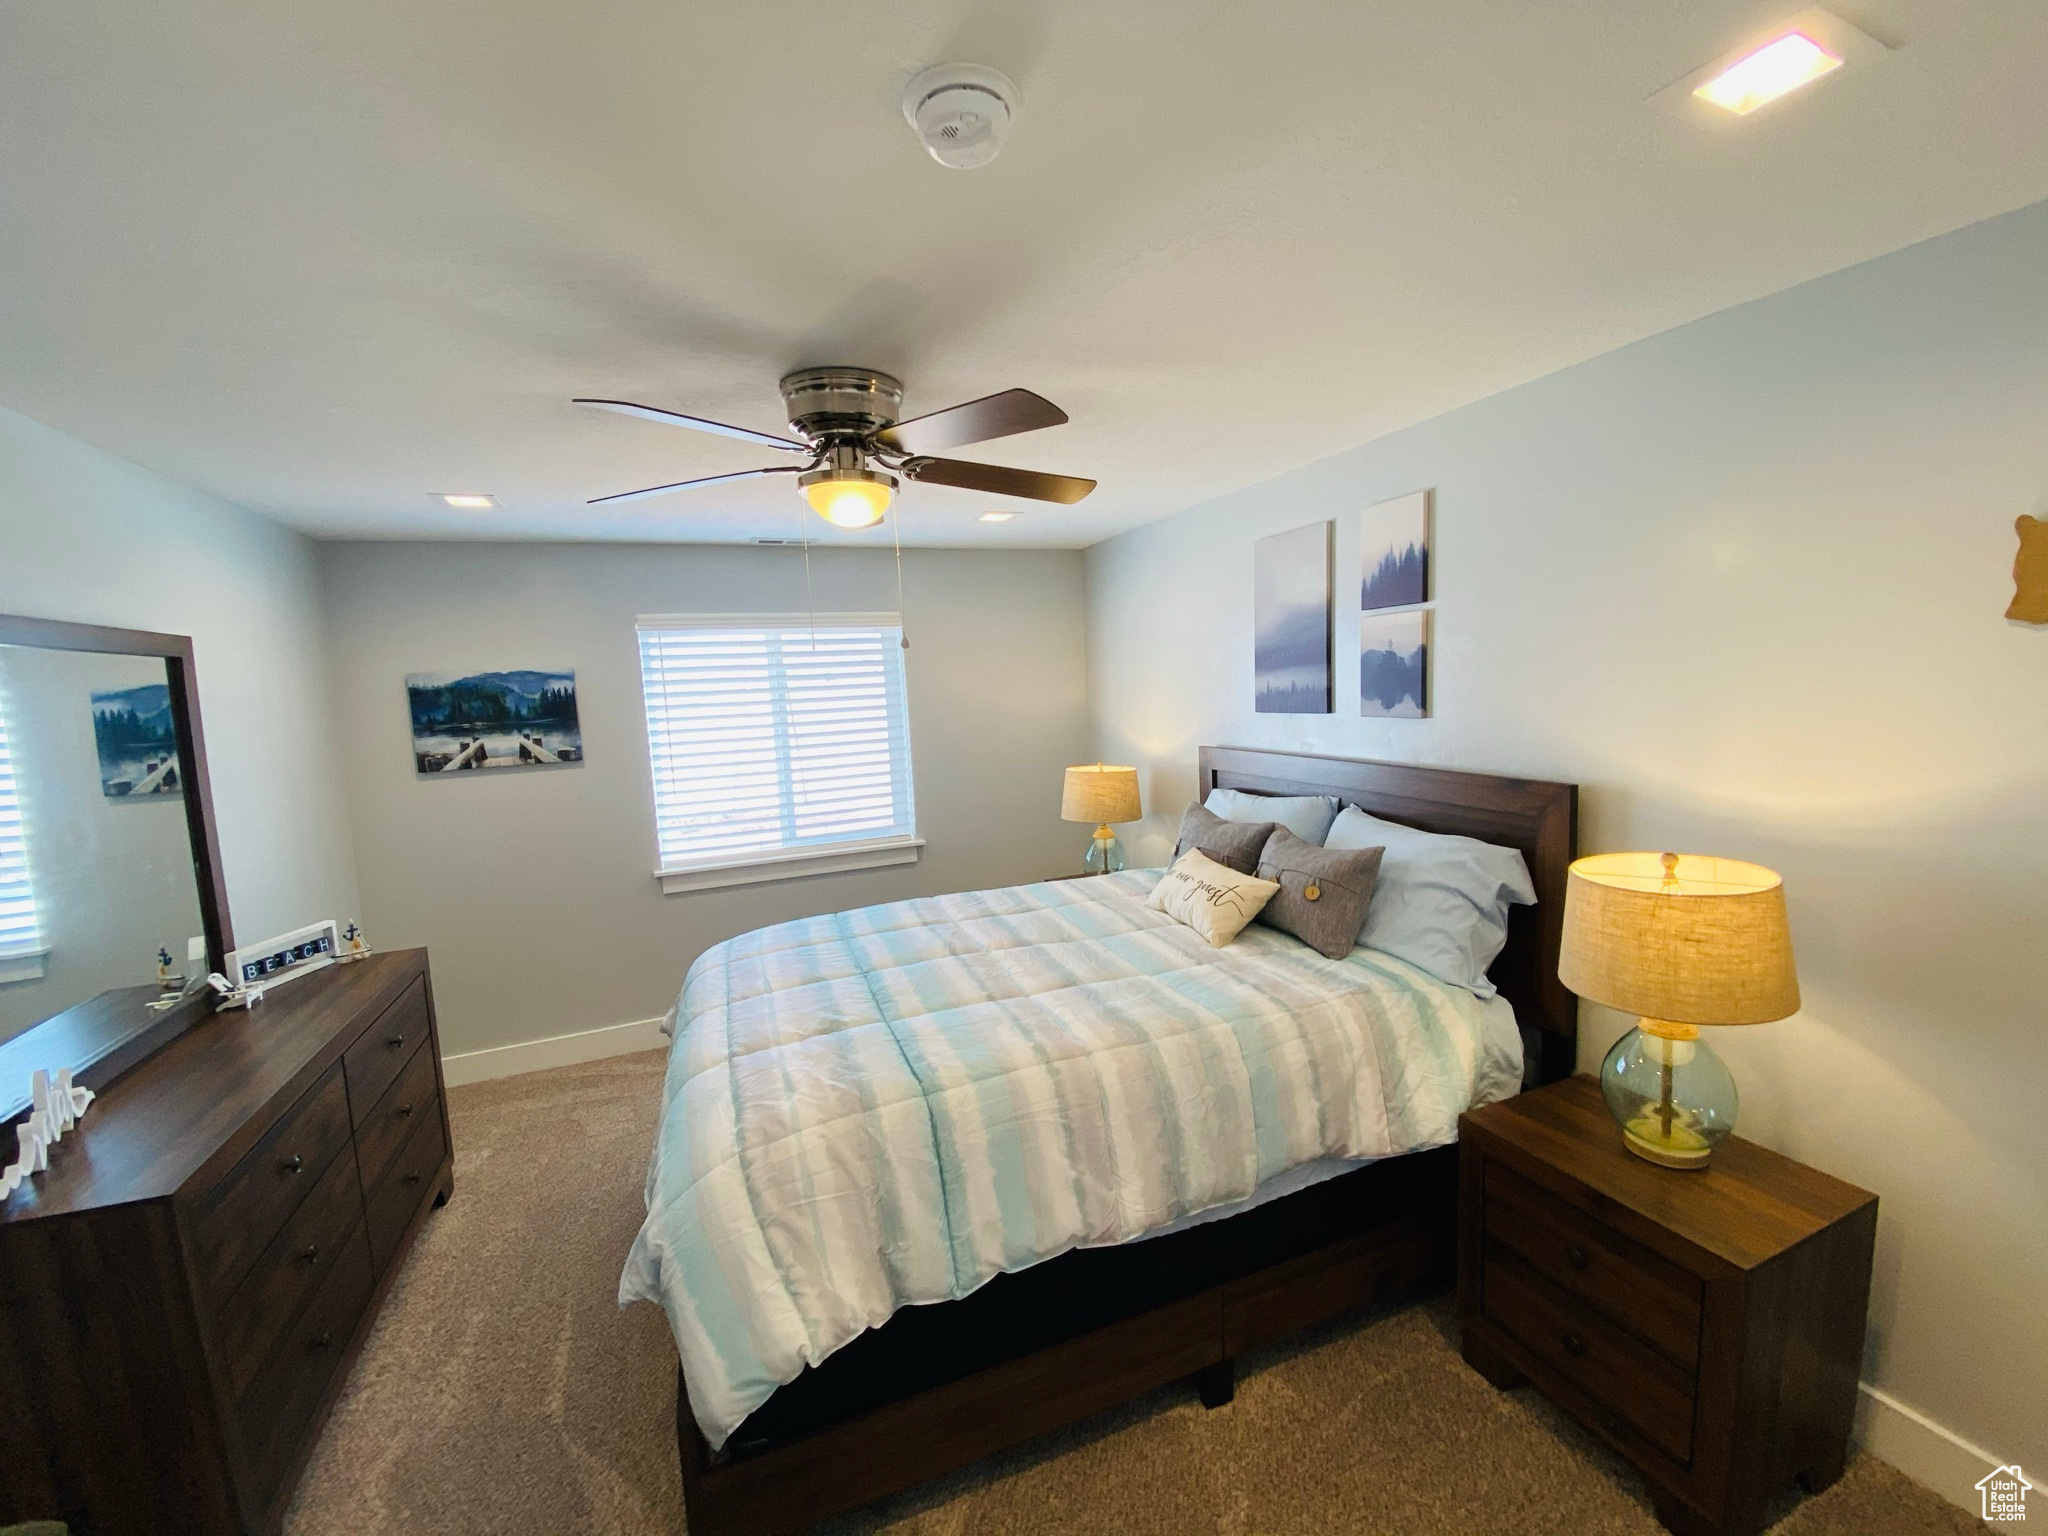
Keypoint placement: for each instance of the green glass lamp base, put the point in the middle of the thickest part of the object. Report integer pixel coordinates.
(1105, 854)
(1671, 1096)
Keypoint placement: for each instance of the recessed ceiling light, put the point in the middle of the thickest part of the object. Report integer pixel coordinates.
(1736, 87)
(997, 517)
(468, 501)
(1776, 69)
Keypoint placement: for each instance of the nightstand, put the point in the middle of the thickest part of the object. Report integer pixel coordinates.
(1708, 1325)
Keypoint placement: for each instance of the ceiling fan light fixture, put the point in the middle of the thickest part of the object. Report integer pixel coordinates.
(850, 499)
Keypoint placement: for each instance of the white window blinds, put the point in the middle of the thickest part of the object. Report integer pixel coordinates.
(20, 932)
(770, 736)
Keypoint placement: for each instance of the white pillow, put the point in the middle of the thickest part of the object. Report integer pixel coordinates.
(1211, 898)
(1441, 902)
(1306, 816)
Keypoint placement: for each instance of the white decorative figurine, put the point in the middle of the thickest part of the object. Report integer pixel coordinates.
(54, 1109)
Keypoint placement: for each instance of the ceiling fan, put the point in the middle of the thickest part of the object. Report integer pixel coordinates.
(856, 452)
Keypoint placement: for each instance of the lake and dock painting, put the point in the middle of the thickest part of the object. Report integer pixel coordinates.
(137, 741)
(493, 720)
(1291, 622)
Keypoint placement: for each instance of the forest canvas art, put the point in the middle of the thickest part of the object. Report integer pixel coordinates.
(1393, 665)
(1394, 553)
(493, 720)
(1291, 622)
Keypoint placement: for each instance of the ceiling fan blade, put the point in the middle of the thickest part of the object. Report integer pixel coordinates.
(999, 480)
(1004, 415)
(684, 485)
(677, 419)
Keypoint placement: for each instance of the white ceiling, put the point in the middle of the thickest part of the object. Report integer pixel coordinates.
(323, 259)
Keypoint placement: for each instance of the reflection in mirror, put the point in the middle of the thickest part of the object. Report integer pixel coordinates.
(96, 862)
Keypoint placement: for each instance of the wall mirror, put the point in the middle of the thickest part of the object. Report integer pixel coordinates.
(108, 854)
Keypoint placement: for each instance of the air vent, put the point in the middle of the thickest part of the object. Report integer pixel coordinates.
(780, 543)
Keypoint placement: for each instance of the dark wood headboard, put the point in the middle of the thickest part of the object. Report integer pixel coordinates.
(1533, 815)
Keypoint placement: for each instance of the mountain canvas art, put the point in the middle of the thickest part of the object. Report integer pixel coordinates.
(1291, 622)
(1393, 665)
(1394, 553)
(493, 720)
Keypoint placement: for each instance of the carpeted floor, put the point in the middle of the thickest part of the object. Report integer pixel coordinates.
(504, 1394)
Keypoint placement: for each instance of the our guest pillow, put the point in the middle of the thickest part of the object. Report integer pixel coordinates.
(1213, 899)
(1308, 817)
(1440, 902)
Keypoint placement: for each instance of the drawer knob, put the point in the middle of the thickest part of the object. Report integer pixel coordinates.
(1578, 1258)
(395, 1041)
(412, 1178)
(402, 1111)
(292, 1164)
(311, 1255)
(321, 1341)
(1573, 1345)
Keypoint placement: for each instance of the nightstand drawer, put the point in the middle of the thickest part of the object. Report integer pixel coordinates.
(1648, 1295)
(1648, 1395)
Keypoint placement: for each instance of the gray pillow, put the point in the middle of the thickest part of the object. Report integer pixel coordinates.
(1324, 892)
(1233, 844)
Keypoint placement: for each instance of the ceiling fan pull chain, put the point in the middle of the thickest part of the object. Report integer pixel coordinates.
(896, 532)
(810, 603)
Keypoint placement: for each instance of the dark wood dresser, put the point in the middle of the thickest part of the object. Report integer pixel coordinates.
(1707, 1324)
(182, 1292)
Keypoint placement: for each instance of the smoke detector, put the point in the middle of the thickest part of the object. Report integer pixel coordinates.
(962, 112)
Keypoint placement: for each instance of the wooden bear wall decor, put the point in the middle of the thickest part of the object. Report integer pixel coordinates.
(2030, 573)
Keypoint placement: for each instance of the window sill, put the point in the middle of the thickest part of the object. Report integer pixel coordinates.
(27, 965)
(794, 864)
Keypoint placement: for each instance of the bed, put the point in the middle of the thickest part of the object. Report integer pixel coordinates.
(938, 1176)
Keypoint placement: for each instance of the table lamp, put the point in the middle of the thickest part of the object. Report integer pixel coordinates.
(1101, 793)
(1681, 942)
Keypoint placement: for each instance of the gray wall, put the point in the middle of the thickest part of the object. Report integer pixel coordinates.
(1744, 582)
(535, 889)
(90, 537)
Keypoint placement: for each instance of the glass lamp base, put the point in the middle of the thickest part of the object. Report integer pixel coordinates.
(1670, 1094)
(1105, 853)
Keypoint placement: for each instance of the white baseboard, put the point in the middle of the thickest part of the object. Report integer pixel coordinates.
(1925, 1451)
(555, 1051)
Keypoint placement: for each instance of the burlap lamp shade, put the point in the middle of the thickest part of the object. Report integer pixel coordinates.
(1100, 793)
(1705, 943)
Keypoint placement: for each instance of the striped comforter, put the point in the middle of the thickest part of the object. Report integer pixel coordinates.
(892, 1105)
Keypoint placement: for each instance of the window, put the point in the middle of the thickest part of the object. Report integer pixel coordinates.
(779, 746)
(21, 938)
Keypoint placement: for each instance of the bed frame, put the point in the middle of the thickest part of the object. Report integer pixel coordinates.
(937, 1387)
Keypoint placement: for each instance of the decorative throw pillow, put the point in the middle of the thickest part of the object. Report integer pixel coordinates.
(1324, 892)
(1307, 816)
(1214, 901)
(1442, 902)
(1233, 844)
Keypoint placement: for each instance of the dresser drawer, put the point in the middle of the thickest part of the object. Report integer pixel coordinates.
(405, 1185)
(280, 1405)
(1644, 1393)
(237, 1219)
(288, 1272)
(381, 1052)
(381, 1132)
(1648, 1295)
